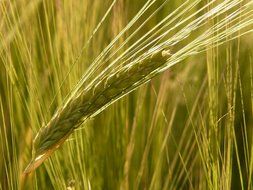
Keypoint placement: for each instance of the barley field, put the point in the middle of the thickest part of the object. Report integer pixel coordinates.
(126, 94)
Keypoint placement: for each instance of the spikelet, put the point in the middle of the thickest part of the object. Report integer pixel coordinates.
(84, 103)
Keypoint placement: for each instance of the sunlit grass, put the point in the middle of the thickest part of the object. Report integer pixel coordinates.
(187, 125)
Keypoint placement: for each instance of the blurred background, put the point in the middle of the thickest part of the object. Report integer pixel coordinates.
(190, 127)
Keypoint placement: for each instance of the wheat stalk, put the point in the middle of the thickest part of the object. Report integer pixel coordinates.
(85, 103)
(112, 84)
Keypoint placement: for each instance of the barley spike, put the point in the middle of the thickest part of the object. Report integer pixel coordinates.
(85, 103)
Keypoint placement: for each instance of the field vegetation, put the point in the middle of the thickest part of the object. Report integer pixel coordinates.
(126, 94)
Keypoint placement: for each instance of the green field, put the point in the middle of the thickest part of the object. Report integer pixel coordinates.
(126, 94)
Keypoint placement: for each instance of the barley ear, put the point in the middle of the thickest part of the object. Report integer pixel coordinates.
(102, 92)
